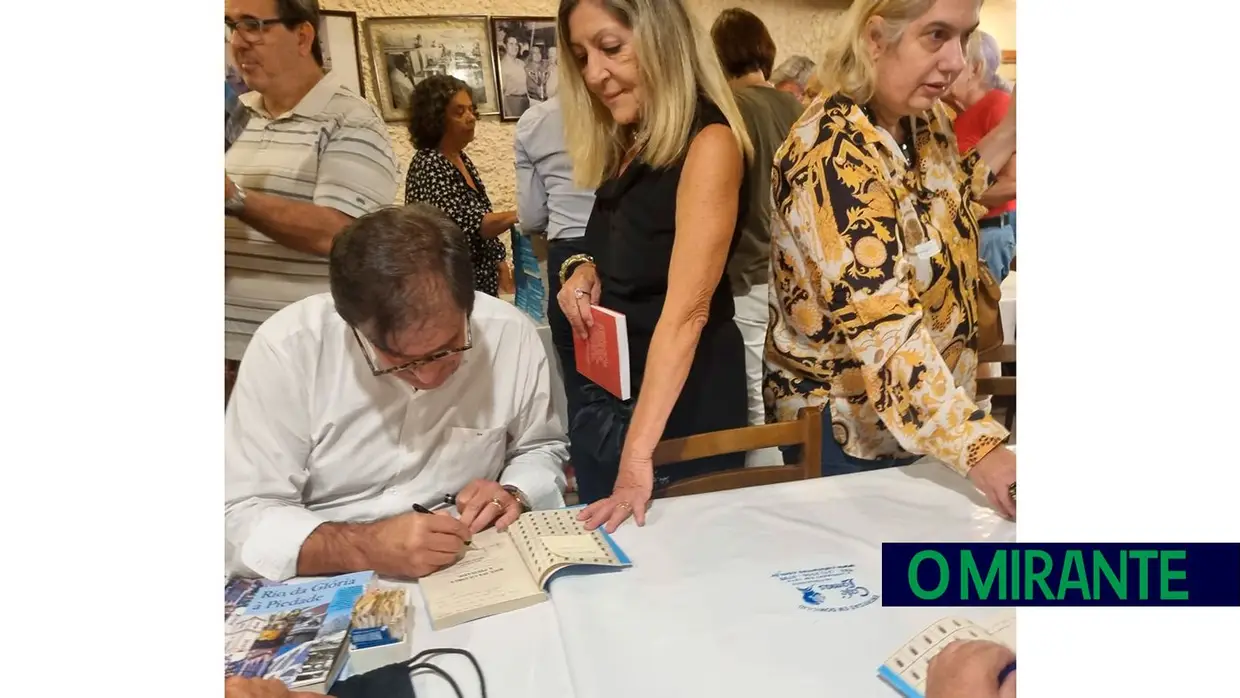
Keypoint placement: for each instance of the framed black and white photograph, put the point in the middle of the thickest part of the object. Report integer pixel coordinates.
(338, 39)
(526, 61)
(406, 50)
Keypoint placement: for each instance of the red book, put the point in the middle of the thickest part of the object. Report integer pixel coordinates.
(604, 357)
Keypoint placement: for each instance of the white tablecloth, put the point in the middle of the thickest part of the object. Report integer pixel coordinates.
(521, 654)
(1007, 308)
(699, 613)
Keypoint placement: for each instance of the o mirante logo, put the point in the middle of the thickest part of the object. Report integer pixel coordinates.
(1082, 574)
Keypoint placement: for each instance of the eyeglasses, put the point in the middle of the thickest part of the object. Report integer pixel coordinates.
(372, 361)
(251, 29)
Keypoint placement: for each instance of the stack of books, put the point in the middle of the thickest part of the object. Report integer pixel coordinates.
(296, 633)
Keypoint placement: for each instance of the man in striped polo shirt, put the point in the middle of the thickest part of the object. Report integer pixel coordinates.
(313, 156)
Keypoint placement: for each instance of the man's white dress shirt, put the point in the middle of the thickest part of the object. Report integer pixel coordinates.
(312, 436)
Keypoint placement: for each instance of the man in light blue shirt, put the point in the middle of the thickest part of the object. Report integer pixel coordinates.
(547, 200)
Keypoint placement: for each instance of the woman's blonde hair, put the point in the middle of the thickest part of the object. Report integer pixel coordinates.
(677, 64)
(847, 67)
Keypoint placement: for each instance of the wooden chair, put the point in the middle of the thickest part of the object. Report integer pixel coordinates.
(1001, 389)
(806, 432)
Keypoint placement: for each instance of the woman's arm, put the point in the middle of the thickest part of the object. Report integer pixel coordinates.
(706, 209)
(496, 224)
(998, 146)
(1004, 188)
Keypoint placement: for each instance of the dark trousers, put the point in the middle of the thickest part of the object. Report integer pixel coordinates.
(561, 332)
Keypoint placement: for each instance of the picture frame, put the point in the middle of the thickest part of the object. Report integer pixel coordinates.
(408, 49)
(533, 75)
(1009, 57)
(338, 38)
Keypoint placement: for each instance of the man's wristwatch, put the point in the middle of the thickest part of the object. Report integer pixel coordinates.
(519, 496)
(235, 203)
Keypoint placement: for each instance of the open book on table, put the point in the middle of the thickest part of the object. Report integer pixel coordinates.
(906, 669)
(507, 571)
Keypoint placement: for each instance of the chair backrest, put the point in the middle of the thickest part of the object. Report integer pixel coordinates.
(805, 432)
(998, 386)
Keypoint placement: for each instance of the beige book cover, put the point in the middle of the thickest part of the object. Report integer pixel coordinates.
(507, 571)
(906, 669)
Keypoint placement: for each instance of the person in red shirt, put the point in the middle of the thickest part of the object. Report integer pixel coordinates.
(981, 98)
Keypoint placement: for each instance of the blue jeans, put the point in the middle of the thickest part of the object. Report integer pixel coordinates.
(998, 246)
(835, 461)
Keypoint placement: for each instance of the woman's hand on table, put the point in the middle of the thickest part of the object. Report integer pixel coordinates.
(579, 292)
(630, 496)
(994, 476)
(968, 670)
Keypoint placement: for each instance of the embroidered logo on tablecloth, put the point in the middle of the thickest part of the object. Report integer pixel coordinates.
(829, 589)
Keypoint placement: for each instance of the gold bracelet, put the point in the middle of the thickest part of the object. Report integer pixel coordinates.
(570, 263)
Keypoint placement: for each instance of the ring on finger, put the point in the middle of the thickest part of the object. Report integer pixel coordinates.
(496, 501)
(579, 292)
(625, 505)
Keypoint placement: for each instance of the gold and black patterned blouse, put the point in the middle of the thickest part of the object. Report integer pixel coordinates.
(874, 262)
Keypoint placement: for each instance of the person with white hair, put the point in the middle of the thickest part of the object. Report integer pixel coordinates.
(793, 75)
(982, 98)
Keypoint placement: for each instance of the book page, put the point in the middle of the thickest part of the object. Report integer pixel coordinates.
(1002, 629)
(491, 578)
(549, 540)
(911, 660)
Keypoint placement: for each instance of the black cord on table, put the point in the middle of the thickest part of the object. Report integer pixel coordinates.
(417, 663)
(413, 669)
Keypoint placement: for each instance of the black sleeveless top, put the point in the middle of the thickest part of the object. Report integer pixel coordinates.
(630, 235)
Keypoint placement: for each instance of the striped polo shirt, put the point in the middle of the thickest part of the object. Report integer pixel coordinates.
(332, 150)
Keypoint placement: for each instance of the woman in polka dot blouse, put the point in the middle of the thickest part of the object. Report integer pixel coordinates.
(442, 175)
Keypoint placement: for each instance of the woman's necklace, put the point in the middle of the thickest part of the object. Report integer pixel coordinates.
(908, 144)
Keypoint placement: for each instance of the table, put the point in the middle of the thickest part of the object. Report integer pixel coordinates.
(520, 653)
(699, 612)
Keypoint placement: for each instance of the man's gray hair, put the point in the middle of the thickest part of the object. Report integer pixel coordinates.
(797, 69)
(394, 268)
(294, 12)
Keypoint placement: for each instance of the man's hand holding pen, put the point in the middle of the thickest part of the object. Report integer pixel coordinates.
(416, 544)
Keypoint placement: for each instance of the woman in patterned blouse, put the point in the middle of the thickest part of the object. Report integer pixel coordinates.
(442, 175)
(874, 252)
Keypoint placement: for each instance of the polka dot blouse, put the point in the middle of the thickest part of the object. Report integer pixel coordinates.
(434, 180)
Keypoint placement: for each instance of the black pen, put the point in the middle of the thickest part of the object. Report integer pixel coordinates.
(423, 510)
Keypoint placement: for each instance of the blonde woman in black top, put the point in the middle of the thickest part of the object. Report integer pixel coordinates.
(650, 122)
